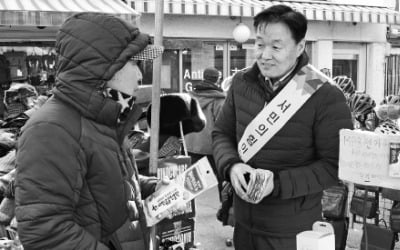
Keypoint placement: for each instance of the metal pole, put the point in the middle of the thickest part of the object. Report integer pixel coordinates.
(155, 104)
(180, 70)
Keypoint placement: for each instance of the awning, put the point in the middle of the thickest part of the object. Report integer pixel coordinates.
(320, 11)
(54, 12)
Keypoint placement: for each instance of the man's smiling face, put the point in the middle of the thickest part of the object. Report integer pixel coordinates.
(275, 49)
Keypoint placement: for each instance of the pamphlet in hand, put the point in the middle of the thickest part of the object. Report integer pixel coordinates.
(185, 187)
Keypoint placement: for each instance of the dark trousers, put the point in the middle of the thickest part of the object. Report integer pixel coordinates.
(196, 157)
(245, 240)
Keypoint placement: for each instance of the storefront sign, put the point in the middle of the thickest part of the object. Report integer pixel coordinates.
(364, 158)
(219, 47)
(190, 76)
(188, 86)
(194, 75)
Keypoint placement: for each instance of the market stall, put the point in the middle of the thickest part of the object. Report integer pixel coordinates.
(27, 35)
(369, 166)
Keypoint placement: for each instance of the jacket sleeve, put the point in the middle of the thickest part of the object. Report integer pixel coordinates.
(48, 184)
(332, 115)
(224, 137)
(217, 106)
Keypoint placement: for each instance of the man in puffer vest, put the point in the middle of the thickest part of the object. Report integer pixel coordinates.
(300, 160)
(77, 185)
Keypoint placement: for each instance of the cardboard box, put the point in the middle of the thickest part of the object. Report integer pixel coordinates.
(322, 237)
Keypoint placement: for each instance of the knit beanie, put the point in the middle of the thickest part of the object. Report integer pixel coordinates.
(211, 75)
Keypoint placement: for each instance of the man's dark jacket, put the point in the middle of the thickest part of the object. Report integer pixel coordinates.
(303, 155)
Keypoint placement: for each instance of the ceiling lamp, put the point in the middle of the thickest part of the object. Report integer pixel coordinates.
(241, 33)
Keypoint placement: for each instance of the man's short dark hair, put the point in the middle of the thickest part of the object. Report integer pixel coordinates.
(296, 21)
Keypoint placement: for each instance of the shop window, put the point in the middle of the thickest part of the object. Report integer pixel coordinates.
(184, 61)
(169, 71)
(349, 59)
(33, 63)
(17, 62)
(347, 68)
(241, 56)
(308, 50)
(392, 75)
(146, 67)
(196, 59)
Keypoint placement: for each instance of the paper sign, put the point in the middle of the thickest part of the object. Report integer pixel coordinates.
(171, 167)
(185, 187)
(364, 158)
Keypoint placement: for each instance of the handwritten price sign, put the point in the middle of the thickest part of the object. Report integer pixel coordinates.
(364, 158)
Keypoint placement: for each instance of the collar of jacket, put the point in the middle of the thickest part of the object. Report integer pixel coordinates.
(209, 93)
(205, 85)
(127, 125)
(254, 73)
(91, 103)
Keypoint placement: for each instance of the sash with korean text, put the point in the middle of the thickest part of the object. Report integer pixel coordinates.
(282, 107)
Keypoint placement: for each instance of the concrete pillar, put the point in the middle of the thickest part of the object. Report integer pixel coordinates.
(322, 52)
(375, 75)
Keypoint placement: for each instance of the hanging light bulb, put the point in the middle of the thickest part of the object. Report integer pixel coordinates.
(241, 33)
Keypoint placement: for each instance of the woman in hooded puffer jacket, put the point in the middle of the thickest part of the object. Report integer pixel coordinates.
(77, 184)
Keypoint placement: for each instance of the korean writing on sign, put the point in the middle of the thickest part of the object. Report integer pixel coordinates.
(167, 199)
(264, 126)
(365, 158)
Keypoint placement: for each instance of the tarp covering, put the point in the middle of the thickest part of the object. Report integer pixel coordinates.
(54, 12)
(320, 11)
